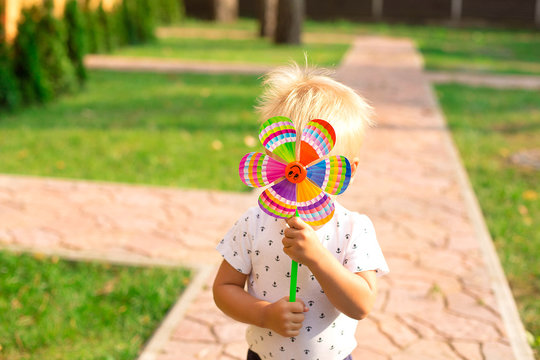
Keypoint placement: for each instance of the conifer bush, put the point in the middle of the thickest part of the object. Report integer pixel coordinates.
(94, 30)
(28, 69)
(76, 37)
(9, 88)
(52, 52)
(169, 11)
(104, 21)
(138, 19)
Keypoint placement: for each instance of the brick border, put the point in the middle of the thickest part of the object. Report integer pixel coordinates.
(163, 333)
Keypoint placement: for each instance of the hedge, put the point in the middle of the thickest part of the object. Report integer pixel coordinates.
(46, 58)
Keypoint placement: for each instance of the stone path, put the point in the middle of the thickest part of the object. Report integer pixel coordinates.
(445, 298)
(120, 63)
(120, 223)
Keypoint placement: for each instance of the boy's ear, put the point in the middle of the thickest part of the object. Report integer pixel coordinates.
(354, 165)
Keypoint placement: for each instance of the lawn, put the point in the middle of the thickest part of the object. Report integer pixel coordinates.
(451, 49)
(56, 309)
(483, 49)
(241, 51)
(184, 130)
(488, 127)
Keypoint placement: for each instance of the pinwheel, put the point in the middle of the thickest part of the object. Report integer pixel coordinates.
(299, 176)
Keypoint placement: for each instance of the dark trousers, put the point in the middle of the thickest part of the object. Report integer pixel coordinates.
(253, 356)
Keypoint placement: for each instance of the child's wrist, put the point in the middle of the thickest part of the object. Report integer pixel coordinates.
(264, 316)
(318, 258)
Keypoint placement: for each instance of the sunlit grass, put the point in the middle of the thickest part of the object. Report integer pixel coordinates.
(56, 309)
(175, 130)
(490, 50)
(242, 51)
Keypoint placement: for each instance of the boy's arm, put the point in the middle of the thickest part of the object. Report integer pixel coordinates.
(283, 317)
(351, 293)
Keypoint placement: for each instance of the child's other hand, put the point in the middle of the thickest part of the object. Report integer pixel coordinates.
(301, 242)
(285, 317)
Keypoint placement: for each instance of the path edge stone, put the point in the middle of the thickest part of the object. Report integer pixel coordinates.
(507, 305)
(163, 333)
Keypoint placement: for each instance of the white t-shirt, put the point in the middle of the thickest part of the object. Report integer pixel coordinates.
(253, 246)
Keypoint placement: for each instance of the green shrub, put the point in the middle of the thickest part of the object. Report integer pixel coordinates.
(138, 17)
(76, 36)
(28, 70)
(9, 89)
(52, 53)
(169, 11)
(104, 22)
(94, 31)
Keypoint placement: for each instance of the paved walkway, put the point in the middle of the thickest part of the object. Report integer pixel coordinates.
(446, 297)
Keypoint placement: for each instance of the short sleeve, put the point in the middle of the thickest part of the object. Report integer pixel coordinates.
(364, 252)
(235, 247)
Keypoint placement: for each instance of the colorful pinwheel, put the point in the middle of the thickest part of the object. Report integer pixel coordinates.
(302, 182)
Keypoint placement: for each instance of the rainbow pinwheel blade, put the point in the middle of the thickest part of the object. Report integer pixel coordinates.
(318, 139)
(332, 175)
(278, 136)
(313, 205)
(258, 170)
(279, 200)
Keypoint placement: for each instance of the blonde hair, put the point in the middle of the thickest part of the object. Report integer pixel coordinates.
(307, 93)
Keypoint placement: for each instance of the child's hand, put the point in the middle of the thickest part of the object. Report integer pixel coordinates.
(301, 242)
(285, 317)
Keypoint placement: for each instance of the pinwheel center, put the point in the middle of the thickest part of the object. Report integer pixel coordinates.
(295, 172)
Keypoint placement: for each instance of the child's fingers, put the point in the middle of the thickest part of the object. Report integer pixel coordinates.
(296, 223)
(297, 319)
(291, 233)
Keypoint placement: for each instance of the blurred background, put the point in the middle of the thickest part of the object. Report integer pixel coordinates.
(139, 91)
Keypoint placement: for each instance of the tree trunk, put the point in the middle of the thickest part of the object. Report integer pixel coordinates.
(290, 16)
(225, 10)
(267, 17)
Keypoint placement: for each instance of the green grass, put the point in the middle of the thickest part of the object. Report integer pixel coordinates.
(488, 126)
(488, 50)
(473, 49)
(255, 51)
(56, 309)
(184, 130)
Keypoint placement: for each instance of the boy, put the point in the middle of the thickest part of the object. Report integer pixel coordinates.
(338, 262)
